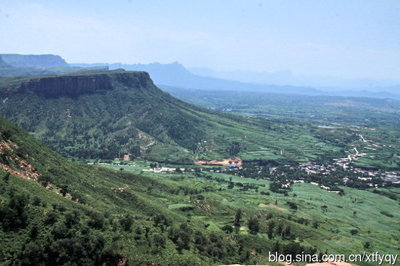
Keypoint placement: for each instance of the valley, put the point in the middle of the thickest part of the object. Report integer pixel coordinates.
(151, 179)
(306, 207)
(199, 133)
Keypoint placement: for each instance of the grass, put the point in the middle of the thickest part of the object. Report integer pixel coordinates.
(357, 209)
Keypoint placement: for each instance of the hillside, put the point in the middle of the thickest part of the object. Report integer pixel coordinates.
(106, 114)
(57, 212)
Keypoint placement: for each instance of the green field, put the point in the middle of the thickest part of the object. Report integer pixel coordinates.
(356, 209)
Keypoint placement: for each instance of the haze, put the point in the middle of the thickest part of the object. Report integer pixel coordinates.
(346, 39)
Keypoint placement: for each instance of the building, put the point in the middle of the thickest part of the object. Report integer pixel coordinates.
(232, 162)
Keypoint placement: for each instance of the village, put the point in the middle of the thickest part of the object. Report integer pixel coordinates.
(340, 170)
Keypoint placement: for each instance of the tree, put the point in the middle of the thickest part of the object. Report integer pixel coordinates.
(234, 148)
(159, 240)
(315, 224)
(227, 229)
(126, 222)
(270, 229)
(6, 178)
(238, 216)
(254, 225)
(44, 180)
(353, 231)
(292, 205)
(64, 190)
(285, 233)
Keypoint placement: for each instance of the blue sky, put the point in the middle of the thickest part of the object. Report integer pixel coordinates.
(343, 38)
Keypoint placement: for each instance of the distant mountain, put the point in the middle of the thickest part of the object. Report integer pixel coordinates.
(33, 65)
(329, 83)
(3, 64)
(177, 75)
(47, 60)
(376, 92)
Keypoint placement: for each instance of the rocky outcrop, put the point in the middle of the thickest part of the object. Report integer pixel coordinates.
(78, 84)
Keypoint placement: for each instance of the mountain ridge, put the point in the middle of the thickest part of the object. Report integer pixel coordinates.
(80, 82)
(128, 114)
(175, 74)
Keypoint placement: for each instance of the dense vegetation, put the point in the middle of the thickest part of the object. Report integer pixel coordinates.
(57, 212)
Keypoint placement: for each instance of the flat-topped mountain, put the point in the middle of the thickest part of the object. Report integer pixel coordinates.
(108, 114)
(81, 82)
(45, 60)
(12, 65)
(3, 64)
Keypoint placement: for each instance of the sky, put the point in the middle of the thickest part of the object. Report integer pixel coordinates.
(342, 38)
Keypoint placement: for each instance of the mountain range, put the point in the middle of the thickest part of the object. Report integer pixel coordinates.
(327, 83)
(176, 75)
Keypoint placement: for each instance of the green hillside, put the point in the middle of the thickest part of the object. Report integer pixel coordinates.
(59, 212)
(110, 113)
(56, 212)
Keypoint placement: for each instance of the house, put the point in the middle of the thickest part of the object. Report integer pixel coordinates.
(231, 162)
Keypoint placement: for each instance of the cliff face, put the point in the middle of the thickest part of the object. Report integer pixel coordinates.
(78, 84)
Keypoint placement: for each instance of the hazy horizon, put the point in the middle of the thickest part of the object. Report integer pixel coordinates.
(350, 40)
